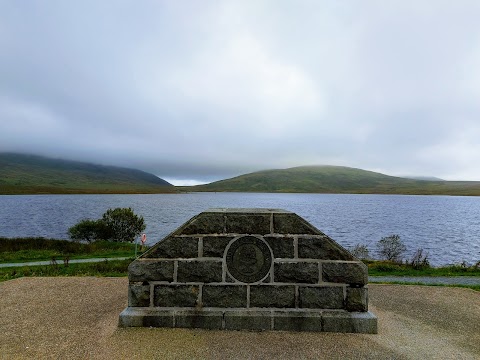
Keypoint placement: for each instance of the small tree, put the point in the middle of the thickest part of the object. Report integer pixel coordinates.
(360, 251)
(88, 230)
(391, 248)
(123, 224)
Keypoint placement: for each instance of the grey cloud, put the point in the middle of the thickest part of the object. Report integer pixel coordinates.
(205, 90)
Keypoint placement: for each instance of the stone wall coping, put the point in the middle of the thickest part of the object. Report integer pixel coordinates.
(277, 235)
(247, 211)
(251, 310)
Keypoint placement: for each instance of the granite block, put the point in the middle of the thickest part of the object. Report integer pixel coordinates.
(205, 271)
(353, 273)
(321, 297)
(282, 247)
(176, 295)
(296, 272)
(224, 296)
(321, 247)
(282, 296)
(142, 270)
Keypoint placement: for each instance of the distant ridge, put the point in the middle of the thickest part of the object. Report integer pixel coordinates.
(428, 178)
(32, 174)
(336, 179)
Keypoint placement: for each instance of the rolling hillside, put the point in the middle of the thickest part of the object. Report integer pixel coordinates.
(30, 174)
(337, 179)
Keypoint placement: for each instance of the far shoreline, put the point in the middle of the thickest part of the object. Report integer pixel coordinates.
(188, 190)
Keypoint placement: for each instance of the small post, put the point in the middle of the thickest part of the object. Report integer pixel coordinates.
(144, 240)
(136, 247)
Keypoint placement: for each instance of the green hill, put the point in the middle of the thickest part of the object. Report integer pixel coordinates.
(31, 174)
(339, 180)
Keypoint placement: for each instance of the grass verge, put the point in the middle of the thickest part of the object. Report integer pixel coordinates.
(38, 249)
(385, 268)
(115, 268)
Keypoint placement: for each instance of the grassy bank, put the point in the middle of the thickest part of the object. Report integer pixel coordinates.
(104, 268)
(38, 249)
(384, 268)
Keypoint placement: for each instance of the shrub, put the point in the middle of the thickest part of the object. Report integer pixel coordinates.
(360, 251)
(123, 224)
(420, 261)
(89, 230)
(391, 248)
(119, 224)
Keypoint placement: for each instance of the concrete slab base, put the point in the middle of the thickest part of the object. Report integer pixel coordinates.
(251, 319)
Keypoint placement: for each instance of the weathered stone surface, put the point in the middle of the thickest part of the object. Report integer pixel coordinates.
(321, 297)
(353, 273)
(321, 248)
(150, 270)
(141, 317)
(297, 321)
(224, 296)
(292, 224)
(176, 295)
(175, 247)
(199, 319)
(205, 271)
(357, 299)
(296, 272)
(138, 295)
(272, 296)
(214, 246)
(248, 223)
(204, 223)
(246, 319)
(282, 247)
(249, 269)
(162, 318)
(349, 322)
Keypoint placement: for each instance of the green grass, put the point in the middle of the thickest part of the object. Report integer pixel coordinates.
(38, 249)
(115, 268)
(336, 179)
(386, 268)
(29, 174)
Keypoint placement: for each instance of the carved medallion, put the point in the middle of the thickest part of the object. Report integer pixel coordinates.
(249, 259)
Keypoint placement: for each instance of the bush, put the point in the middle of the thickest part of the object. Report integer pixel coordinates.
(120, 224)
(391, 248)
(123, 224)
(89, 230)
(360, 251)
(420, 261)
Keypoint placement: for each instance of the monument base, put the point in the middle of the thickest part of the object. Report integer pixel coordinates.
(251, 319)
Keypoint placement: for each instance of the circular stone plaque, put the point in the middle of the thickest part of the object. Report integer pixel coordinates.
(248, 259)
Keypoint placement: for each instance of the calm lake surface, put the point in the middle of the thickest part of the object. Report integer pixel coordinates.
(447, 227)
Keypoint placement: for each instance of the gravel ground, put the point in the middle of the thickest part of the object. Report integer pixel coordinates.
(76, 318)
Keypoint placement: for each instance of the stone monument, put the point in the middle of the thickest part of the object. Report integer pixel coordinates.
(252, 269)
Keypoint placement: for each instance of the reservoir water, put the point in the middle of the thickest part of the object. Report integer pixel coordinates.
(447, 227)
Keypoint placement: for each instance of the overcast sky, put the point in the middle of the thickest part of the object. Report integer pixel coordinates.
(204, 90)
